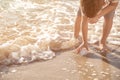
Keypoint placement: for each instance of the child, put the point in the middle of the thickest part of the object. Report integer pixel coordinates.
(89, 13)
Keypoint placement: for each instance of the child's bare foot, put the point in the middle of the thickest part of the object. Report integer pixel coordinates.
(101, 47)
(104, 48)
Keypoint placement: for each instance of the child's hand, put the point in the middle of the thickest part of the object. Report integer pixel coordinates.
(93, 20)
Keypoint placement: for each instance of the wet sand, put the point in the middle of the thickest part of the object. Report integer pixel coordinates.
(69, 66)
(28, 26)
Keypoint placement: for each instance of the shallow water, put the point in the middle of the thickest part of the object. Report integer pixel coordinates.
(29, 29)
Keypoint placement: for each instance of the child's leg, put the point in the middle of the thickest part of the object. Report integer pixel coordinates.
(84, 25)
(106, 29)
(77, 24)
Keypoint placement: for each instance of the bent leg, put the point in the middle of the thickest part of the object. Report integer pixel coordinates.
(77, 24)
(106, 29)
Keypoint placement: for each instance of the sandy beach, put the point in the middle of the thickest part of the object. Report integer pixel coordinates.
(36, 43)
(68, 66)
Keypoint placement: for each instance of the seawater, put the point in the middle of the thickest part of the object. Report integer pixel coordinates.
(30, 28)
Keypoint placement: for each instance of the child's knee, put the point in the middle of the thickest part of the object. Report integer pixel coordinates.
(79, 13)
(110, 15)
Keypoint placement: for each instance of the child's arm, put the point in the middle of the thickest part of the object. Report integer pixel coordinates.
(84, 25)
(111, 7)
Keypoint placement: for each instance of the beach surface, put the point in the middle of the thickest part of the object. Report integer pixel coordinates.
(68, 66)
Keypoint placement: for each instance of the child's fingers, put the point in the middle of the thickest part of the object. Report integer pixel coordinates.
(92, 21)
